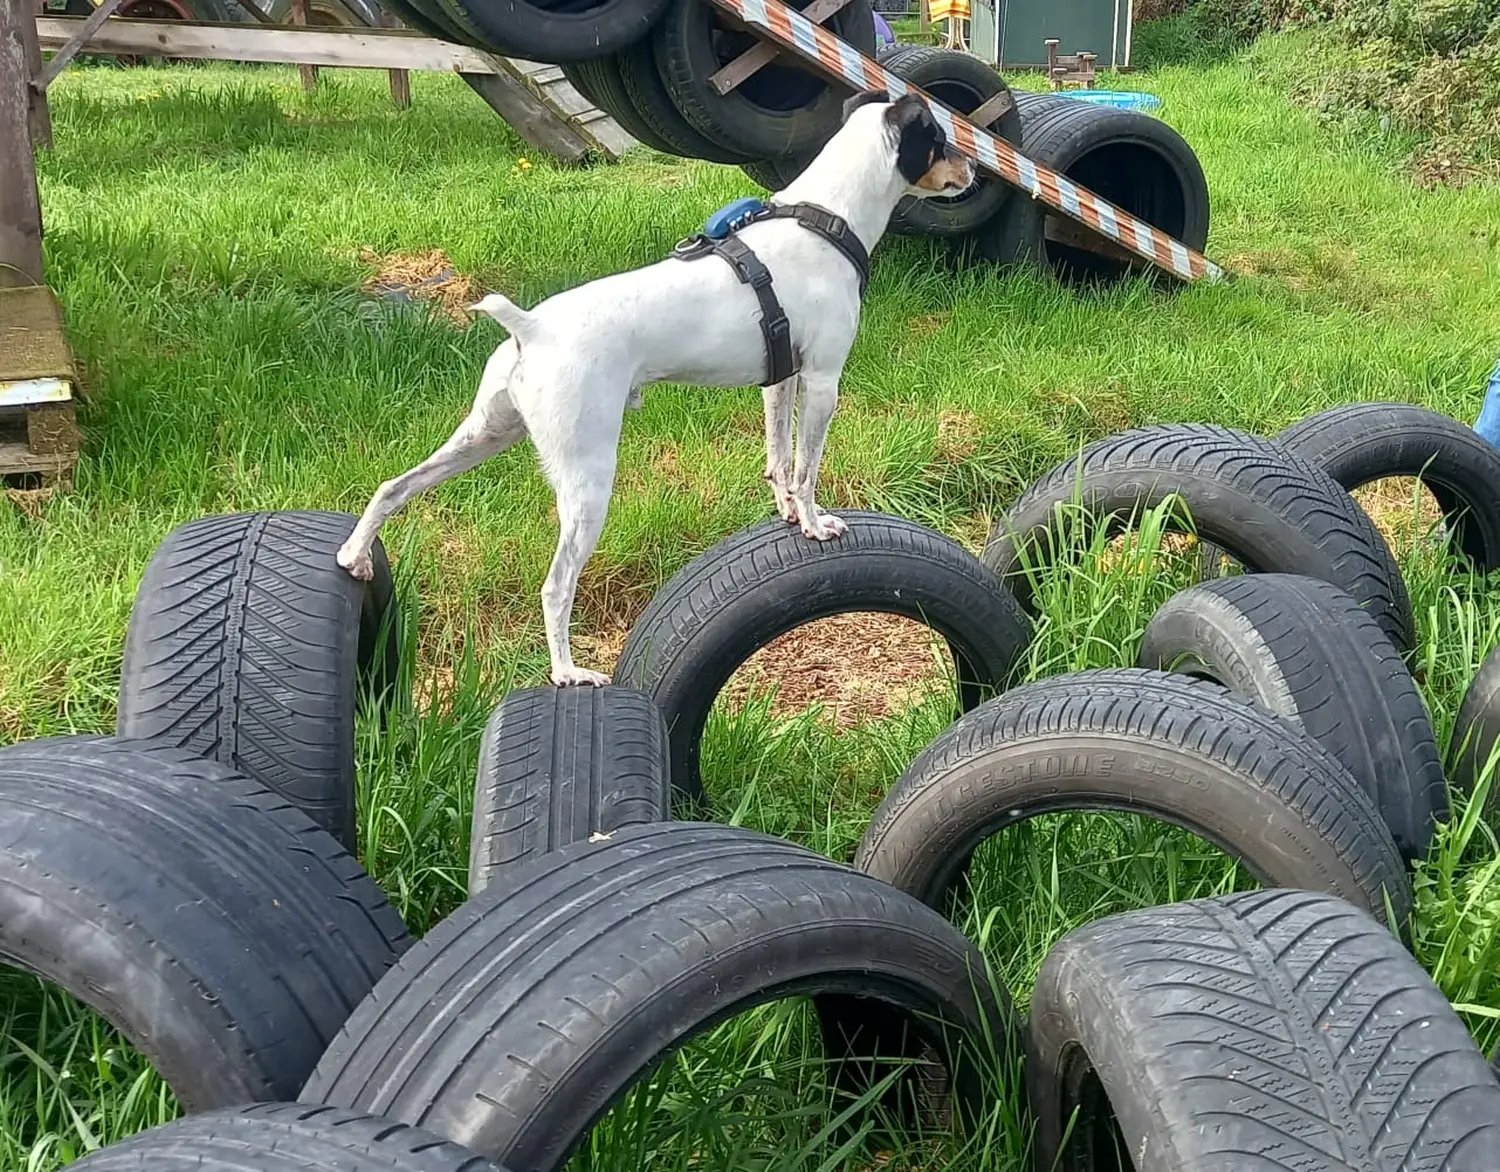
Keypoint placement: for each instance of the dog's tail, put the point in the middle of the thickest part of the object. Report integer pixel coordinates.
(515, 319)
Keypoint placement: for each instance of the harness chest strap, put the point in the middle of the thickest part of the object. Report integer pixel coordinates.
(774, 326)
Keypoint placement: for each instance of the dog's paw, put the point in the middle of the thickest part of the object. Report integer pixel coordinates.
(357, 563)
(578, 677)
(786, 507)
(824, 527)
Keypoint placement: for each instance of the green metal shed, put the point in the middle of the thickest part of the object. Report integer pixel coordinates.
(1013, 33)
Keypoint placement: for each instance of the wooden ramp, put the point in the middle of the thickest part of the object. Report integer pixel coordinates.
(556, 117)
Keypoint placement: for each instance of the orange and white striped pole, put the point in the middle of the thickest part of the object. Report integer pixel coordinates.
(819, 47)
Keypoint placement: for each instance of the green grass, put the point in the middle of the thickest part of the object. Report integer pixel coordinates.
(203, 231)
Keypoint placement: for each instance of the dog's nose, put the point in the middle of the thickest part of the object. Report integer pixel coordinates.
(969, 171)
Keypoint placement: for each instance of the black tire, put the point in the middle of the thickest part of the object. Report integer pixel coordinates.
(339, 13)
(1363, 442)
(1476, 731)
(1177, 749)
(1308, 651)
(210, 922)
(783, 110)
(1134, 160)
(769, 579)
(560, 32)
(557, 765)
(654, 106)
(427, 16)
(961, 82)
(648, 940)
(1266, 1030)
(769, 173)
(249, 644)
(283, 1137)
(600, 82)
(1274, 512)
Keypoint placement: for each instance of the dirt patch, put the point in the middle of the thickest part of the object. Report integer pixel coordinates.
(1403, 510)
(422, 276)
(958, 435)
(927, 323)
(860, 666)
(30, 500)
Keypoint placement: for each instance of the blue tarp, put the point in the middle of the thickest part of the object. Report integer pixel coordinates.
(1489, 415)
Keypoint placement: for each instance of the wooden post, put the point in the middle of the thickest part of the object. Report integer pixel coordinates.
(41, 118)
(401, 88)
(400, 78)
(20, 206)
(309, 73)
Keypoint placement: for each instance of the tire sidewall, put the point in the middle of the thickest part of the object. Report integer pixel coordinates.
(683, 43)
(686, 686)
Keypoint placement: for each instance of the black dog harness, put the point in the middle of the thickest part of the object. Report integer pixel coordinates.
(774, 326)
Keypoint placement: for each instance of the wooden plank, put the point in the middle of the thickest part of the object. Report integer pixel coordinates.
(613, 139)
(599, 132)
(1061, 230)
(567, 100)
(18, 460)
(20, 206)
(29, 392)
(68, 51)
(369, 48)
(754, 59)
(990, 111)
(531, 118)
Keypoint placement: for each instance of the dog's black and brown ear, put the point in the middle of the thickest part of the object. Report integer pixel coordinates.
(864, 99)
(922, 154)
(918, 139)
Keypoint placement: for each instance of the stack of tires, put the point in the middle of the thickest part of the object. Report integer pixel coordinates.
(651, 65)
(192, 878)
(1134, 160)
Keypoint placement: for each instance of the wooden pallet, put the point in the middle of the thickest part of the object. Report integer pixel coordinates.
(38, 423)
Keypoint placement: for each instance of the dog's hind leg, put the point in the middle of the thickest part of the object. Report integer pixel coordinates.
(582, 504)
(820, 398)
(492, 425)
(779, 400)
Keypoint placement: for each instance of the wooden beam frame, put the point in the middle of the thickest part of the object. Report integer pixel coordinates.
(369, 48)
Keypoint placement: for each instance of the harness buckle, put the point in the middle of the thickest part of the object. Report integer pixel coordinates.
(692, 247)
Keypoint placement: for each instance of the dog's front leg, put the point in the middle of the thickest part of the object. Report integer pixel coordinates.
(778, 400)
(820, 397)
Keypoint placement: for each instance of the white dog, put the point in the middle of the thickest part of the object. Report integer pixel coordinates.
(575, 362)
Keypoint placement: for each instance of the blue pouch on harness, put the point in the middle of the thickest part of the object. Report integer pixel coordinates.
(724, 221)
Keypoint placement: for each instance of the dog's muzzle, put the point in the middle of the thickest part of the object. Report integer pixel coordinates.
(969, 170)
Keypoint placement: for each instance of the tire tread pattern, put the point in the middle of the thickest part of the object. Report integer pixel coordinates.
(557, 765)
(1275, 1030)
(244, 647)
(1339, 675)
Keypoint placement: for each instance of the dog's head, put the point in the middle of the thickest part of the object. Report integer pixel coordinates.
(919, 149)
